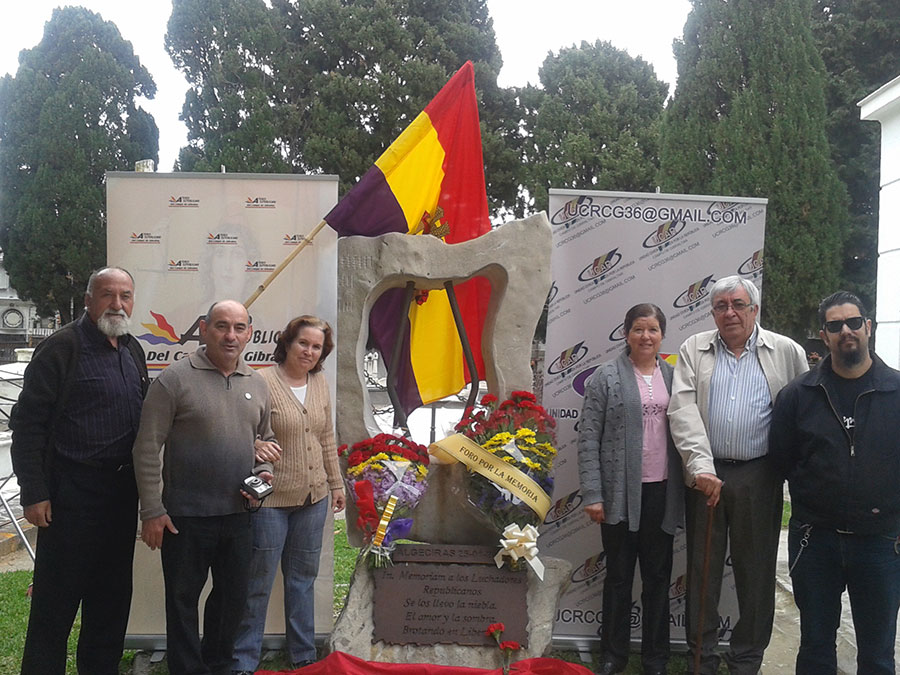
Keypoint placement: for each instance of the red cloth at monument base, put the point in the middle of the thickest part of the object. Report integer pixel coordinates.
(339, 663)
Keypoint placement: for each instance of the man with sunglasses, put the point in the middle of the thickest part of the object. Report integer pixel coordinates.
(719, 414)
(835, 437)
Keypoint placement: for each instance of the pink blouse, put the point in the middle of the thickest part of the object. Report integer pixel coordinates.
(654, 402)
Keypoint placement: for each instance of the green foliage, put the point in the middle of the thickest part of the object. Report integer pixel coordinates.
(67, 117)
(594, 124)
(13, 619)
(344, 564)
(859, 41)
(326, 85)
(748, 119)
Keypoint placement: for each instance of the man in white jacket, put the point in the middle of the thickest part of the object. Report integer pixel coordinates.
(719, 415)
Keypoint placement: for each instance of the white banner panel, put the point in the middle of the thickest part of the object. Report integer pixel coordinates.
(613, 250)
(190, 239)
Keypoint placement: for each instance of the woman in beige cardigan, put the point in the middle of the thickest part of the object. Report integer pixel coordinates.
(289, 525)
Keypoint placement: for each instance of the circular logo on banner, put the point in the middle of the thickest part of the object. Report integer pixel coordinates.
(564, 507)
(663, 234)
(567, 359)
(693, 294)
(579, 382)
(593, 569)
(752, 266)
(600, 266)
(580, 207)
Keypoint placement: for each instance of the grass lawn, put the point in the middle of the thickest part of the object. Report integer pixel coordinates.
(14, 619)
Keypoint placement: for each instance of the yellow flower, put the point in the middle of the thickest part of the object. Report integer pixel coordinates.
(509, 459)
(530, 463)
(498, 440)
(546, 447)
(525, 432)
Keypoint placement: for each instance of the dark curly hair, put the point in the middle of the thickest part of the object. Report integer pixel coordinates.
(292, 330)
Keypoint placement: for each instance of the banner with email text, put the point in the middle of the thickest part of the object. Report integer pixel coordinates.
(613, 250)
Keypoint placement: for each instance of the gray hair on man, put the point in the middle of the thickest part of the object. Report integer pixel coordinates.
(730, 284)
(96, 273)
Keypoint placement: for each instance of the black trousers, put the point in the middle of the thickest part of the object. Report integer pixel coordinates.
(651, 548)
(748, 518)
(222, 545)
(84, 557)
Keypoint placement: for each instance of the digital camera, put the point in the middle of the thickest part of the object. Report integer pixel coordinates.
(257, 487)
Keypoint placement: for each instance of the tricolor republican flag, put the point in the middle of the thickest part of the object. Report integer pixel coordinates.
(433, 172)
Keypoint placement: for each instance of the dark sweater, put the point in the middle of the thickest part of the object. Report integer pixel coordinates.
(45, 392)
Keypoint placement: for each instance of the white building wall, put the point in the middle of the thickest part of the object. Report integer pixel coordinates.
(883, 106)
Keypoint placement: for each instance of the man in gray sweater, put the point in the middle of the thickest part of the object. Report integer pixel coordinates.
(206, 411)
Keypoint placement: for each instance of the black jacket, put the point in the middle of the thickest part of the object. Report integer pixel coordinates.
(45, 391)
(835, 483)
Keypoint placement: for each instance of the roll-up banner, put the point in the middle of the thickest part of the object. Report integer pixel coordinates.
(190, 239)
(613, 250)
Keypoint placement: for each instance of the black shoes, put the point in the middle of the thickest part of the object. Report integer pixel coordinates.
(610, 668)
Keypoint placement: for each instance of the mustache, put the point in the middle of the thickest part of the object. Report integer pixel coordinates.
(116, 312)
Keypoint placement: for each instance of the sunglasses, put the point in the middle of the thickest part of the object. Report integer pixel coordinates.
(853, 323)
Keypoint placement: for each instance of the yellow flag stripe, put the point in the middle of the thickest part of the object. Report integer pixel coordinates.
(413, 168)
(434, 348)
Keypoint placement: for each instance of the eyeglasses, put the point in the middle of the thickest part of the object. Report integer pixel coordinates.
(738, 306)
(853, 323)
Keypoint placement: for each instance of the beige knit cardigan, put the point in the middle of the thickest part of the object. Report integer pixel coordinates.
(309, 463)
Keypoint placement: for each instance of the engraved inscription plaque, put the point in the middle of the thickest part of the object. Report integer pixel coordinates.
(438, 600)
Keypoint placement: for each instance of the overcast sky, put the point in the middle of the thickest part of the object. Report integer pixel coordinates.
(527, 30)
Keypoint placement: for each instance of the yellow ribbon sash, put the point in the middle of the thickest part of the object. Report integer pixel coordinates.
(458, 448)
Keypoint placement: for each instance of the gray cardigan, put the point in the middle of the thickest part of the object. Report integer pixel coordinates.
(610, 447)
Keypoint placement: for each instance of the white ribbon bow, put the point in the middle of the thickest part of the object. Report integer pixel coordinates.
(518, 543)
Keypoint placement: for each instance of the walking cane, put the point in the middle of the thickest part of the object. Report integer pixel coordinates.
(704, 582)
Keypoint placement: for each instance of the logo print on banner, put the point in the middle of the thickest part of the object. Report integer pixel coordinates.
(695, 293)
(601, 266)
(293, 239)
(259, 203)
(563, 508)
(222, 238)
(144, 238)
(677, 590)
(554, 291)
(618, 333)
(183, 203)
(579, 382)
(635, 616)
(161, 333)
(591, 571)
(752, 266)
(567, 359)
(581, 207)
(183, 266)
(663, 235)
(258, 266)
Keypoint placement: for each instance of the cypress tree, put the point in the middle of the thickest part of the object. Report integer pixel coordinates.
(748, 119)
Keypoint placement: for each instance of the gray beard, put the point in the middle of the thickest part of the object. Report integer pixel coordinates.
(114, 327)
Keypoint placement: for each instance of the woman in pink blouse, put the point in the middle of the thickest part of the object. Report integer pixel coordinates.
(631, 484)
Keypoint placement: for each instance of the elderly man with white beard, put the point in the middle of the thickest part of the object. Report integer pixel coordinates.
(73, 428)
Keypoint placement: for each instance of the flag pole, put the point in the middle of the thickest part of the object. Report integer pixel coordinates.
(284, 263)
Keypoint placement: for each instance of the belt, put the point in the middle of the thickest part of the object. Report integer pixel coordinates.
(108, 464)
(737, 462)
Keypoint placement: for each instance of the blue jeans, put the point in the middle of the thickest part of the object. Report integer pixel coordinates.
(294, 536)
(868, 566)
